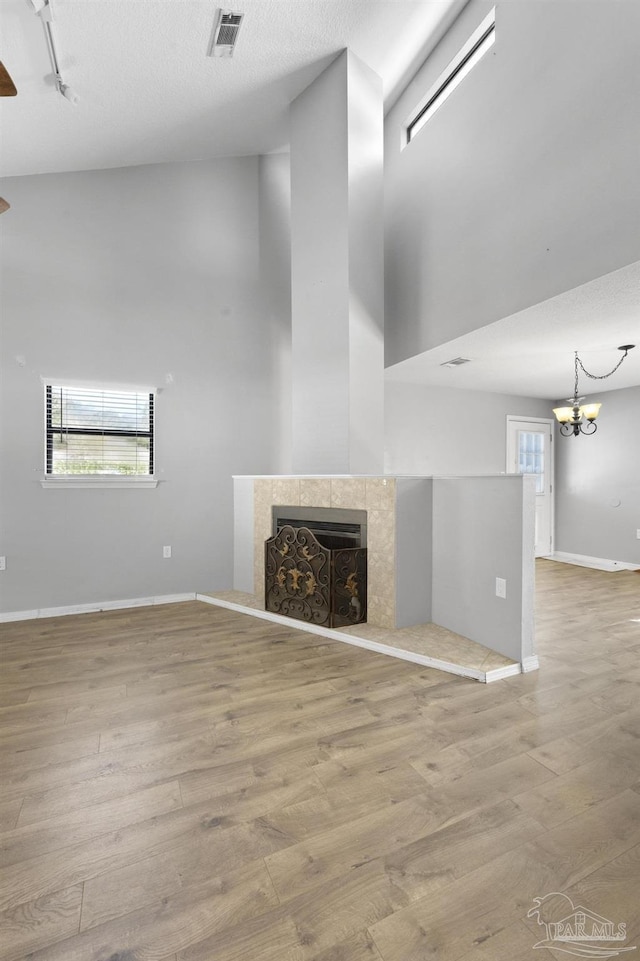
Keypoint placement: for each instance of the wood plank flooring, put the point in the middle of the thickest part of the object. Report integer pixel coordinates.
(185, 783)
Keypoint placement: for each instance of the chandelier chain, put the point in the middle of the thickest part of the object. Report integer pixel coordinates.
(596, 376)
(576, 420)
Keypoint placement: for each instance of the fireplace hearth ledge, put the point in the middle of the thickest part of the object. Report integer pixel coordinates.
(390, 649)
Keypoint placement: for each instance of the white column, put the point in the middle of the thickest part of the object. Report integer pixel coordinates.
(337, 272)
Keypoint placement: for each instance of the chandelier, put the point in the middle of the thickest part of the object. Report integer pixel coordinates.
(581, 419)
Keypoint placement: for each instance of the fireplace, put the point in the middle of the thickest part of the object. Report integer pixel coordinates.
(316, 565)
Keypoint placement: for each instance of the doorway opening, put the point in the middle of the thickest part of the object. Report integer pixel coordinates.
(530, 451)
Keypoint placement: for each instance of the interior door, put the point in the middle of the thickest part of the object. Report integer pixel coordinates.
(530, 451)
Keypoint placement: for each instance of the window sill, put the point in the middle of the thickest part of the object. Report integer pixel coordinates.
(97, 480)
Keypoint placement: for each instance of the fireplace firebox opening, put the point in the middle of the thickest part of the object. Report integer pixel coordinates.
(334, 527)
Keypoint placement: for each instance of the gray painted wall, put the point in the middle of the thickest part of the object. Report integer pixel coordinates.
(414, 551)
(275, 274)
(434, 430)
(130, 276)
(598, 483)
(243, 534)
(524, 183)
(482, 529)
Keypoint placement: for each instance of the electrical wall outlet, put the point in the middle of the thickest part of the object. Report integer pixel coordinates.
(638, 534)
(501, 587)
(3, 563)
(166, 551)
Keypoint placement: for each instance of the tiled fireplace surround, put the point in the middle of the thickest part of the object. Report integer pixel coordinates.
(376, 495)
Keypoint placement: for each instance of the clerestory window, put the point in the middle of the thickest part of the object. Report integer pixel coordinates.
(472, 52)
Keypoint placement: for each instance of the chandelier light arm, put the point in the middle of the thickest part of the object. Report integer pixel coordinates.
(574, 428)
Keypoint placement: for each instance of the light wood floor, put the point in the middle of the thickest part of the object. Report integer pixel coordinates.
(189, 783)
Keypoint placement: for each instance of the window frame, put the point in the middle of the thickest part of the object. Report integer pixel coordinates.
(452, 76)
(97, 479)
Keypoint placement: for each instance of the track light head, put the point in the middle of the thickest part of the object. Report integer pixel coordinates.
(69, 93)
(43, 9)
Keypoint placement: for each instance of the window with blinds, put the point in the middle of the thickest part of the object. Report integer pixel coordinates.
(98, 432)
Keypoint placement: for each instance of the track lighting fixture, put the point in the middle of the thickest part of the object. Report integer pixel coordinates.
(44, 11)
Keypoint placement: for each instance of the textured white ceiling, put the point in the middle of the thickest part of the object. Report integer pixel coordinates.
(149, 93)
(531, 353)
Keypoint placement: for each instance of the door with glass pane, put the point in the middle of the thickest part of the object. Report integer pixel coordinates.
(529, 451)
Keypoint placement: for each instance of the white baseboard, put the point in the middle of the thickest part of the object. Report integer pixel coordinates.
(95, 608)
(498, 673)
(527, 665)
(596, 563)
(530, 664)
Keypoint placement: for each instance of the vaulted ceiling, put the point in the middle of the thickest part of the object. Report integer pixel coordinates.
(148, 92)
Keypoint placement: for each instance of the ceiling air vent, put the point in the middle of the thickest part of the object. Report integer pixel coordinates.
(456, 362)
(225, 33)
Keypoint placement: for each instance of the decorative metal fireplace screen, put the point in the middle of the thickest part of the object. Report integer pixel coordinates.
(312, 582)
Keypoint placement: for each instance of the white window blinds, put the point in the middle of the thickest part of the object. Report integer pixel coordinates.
(95, 431)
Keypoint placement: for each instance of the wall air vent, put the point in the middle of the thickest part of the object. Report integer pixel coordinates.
(456, 362)
(225, 33)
